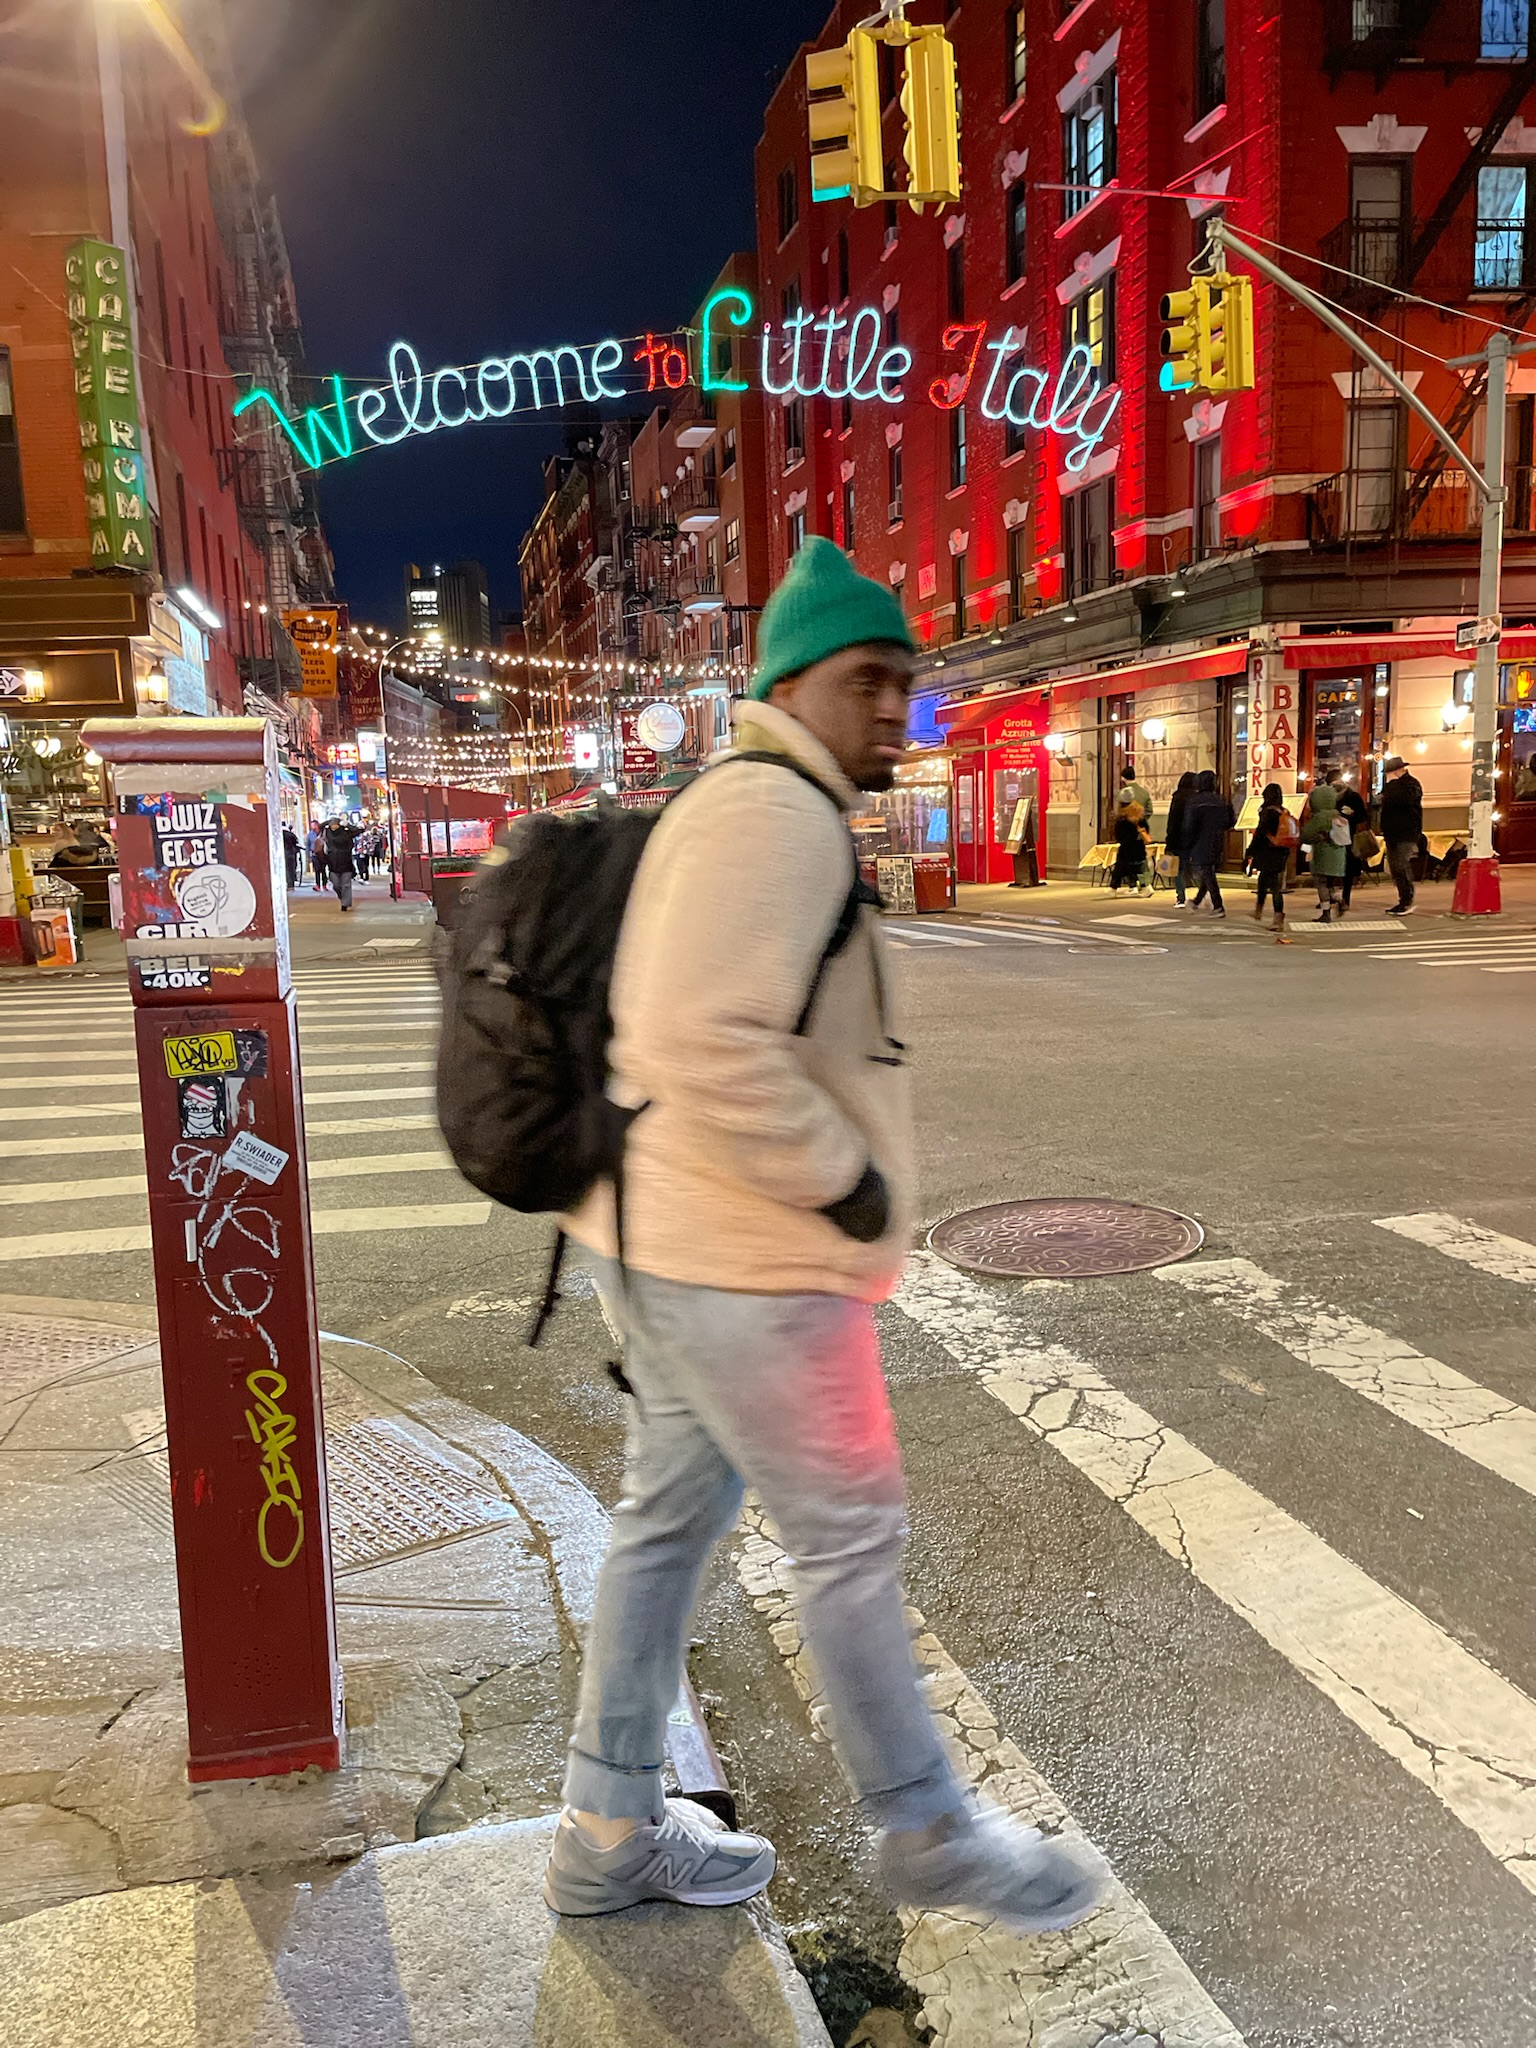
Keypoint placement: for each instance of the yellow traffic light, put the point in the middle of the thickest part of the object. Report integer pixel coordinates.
(931, 104)
(852, 118)
(1186, 325)
(1229, 360)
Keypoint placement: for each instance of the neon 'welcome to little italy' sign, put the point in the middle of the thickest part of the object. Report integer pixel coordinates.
(826, 355)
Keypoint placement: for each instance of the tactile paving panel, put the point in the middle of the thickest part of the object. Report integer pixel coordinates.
(390, 1495)
(40, 1351)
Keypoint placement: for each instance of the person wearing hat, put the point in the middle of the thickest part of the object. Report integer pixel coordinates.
(1402, 827)
(767, 1204)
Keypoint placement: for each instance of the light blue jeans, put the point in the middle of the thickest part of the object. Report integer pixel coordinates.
(783, 1393)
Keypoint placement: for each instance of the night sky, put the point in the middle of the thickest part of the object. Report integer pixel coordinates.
(476, 176)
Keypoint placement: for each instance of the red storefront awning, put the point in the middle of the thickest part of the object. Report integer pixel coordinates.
(1343, 651)
(1146, 675)
(975, 718)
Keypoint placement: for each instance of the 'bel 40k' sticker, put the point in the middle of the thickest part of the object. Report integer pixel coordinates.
(188, 835)
(173, 972)
(210, 1052)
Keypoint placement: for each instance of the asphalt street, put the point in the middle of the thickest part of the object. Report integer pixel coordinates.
(1237, 1554)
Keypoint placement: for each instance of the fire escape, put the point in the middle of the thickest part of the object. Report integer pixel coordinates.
(1386, 250)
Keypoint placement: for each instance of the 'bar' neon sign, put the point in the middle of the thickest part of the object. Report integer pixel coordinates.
(828, 355)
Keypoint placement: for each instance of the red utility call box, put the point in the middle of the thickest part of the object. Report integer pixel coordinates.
(205, 924)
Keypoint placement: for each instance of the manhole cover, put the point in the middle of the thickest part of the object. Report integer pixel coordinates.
(1071, 1240)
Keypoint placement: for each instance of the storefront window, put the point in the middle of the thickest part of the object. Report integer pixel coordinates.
(1010, 788)
(1522, 759)
(1338, 725)
(965, 809)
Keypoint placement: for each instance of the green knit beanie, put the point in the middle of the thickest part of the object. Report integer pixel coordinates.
(822, 606)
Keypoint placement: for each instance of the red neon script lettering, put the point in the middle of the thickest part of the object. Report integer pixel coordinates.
(949, 392)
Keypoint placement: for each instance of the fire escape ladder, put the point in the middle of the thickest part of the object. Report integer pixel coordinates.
(1521, 80)
(1429, 472)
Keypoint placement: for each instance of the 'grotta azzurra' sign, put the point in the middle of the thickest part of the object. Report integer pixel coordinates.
(833, 355)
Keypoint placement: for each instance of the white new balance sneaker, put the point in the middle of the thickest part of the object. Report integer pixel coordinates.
(688, 1857)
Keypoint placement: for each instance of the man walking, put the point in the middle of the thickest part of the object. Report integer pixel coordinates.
(1402, 827)
(767, 1202)
(339, 840)
(1208, 819)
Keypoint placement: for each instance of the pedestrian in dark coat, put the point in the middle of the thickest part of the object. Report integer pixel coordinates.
(1173, 843)
(339, 836)
(1353, 806)
(1402, 827)
(1269, 856)
(1130, 847)
(291, 855)
(1208, 818)
(317, 858)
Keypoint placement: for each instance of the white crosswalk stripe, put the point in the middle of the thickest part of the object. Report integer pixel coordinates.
(1447, 1718)
(1507, 1258)
(1504, 952)
(1496, 1433)
(67, 1244)
(68, 1076)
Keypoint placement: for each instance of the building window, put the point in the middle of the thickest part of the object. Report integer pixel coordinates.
(186, 358)
(957, 278)
(1367, 16)
(957, 591)
(794, 531)
(727, 452)
(843, 285)
(794, 432)
(710, 461)
(845, 414)
(789, 200)
(893, 510)
(957, 448)
(1018, 569)
(13, 517)
(1088, 145)
(789, 298)
(165, 310)
(848, 514)
(181, 521)
(733, 540)
(1211, 55)
(1017, 229)
(1013, 437)
(1018, 56)
(1378, 215)
(1088, 518)
(202, 359)
(1089, 322)
(1506, 29)
(1375, 466)
(1501, 256)
(892, 326)
(1207, 497)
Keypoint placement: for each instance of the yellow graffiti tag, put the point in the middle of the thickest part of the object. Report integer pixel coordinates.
(211, 1052)
(274, 1431)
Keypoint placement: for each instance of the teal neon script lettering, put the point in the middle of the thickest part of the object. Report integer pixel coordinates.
(315, 423)
(740, 316)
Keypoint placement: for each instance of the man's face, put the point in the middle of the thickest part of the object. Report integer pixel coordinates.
(855, 703)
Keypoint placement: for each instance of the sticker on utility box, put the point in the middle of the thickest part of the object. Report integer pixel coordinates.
(203, 1109)
(252, 1155)
(210, 1052)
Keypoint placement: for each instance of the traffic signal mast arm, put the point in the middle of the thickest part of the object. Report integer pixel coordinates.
(1224, 239)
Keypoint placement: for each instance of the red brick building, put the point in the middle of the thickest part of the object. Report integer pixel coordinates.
(1283, 567)
(98, 145)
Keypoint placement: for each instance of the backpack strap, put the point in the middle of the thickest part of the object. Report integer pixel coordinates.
(859, 894)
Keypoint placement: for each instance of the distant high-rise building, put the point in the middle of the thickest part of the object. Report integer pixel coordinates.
(423, 601)
(464, 605)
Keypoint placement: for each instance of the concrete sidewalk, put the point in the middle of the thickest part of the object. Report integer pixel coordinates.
(394, 1902)
(1081, 898)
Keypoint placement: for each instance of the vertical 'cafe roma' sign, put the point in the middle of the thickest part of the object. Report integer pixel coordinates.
(107, 406)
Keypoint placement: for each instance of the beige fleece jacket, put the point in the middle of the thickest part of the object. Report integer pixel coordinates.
(750, 1130)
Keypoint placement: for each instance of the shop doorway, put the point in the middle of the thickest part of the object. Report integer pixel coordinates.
(1516, 786)
(1339, 720)
(1117, 750)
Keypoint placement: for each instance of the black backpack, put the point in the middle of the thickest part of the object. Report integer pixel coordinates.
(522, 1063)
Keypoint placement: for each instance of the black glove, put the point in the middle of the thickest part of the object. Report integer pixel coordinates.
(864, 1214)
